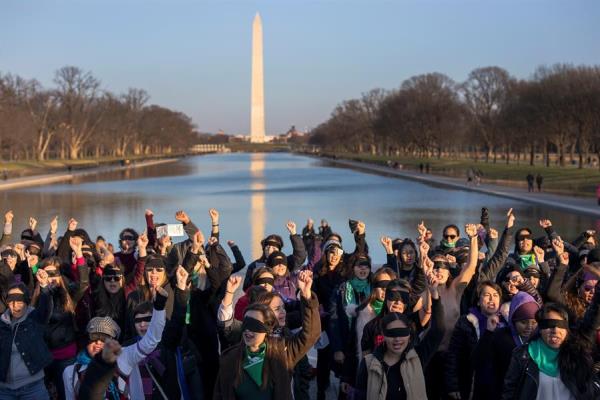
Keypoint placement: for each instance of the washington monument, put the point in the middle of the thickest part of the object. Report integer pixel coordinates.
(257, 111)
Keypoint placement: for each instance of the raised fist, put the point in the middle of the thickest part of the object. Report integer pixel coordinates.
(182, 217)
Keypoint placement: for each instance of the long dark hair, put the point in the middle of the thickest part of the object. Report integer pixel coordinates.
(575, 356)
(374, 278)
(341, 269)
(62, 293)
(410, 243)
(275, 354)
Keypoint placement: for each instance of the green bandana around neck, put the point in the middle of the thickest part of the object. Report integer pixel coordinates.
(361, 286)
(34, 269)
(253, 363)
(527, 260)
(447, 244)
(377, 306)
(545, 357)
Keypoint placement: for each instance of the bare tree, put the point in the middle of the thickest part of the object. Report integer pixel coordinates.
(485, 92)
(78, 93)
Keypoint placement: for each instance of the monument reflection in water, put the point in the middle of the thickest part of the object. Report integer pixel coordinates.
(257, 202)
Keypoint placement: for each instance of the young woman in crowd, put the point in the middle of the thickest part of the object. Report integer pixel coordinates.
(260, 366)
(24, 352)
(396, 369)
(355, 291)
(496, 344)
(61, 330)
(451, 291)
(555, 364)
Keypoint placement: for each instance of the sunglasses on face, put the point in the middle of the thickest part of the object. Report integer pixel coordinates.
(112, 278)
(130, 238)
(589, 288)
(53, 274)
(450, 237)
(143, 319)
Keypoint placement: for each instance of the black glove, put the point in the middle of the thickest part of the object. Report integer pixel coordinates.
(159, 302)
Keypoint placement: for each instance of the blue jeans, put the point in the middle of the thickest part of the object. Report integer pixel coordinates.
(32, 391)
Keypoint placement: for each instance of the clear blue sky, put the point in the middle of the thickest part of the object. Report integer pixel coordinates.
(194, 56)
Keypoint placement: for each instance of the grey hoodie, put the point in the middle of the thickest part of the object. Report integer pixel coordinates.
(18, 373)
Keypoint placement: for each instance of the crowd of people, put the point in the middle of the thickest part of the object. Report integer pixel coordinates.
(483, 313)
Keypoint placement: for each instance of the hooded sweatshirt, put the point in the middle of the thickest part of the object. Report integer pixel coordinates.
(519, 300)
(18, 373)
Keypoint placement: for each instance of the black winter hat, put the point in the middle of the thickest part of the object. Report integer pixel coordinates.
(276, 258)
(272, 240)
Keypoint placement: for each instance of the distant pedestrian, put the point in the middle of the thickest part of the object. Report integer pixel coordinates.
(478, 175)
(539, 179)
(598, 193)
(530, 180)
(470, 176)
(4, 175)
(421, 167)
(427, 168)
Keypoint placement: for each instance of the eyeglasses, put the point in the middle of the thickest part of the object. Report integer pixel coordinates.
(127, 238)
(589, 288)
(450, 237)
(112, 278)
(514, 278)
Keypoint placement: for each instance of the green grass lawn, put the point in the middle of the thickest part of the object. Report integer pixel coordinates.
(565, 180)
(33, 167)
(248, 147)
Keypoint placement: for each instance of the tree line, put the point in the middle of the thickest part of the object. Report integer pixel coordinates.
(78, 118)
(492, 115)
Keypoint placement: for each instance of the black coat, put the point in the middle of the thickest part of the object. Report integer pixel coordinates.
(458, 373)
(28, 336)
(495, 349)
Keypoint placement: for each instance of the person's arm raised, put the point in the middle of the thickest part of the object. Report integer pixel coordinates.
(214, 220)
(466, 274)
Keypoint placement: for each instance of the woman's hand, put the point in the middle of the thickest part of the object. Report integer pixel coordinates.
(305, 280)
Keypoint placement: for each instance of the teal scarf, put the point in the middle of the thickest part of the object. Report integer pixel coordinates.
(83, 358)
(253, 363)
(527, 260)
(377, 306)
(545, 357)
(360, 286)
(447, 244)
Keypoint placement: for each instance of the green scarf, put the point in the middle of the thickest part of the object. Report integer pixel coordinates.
(253, 363)
(527, 260)
(545, 357)
(357, 285)
(447, 244)
(377, 306)
(34, 269)
(361, 286)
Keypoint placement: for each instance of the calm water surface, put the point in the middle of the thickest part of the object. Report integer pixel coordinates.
(257, 193)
